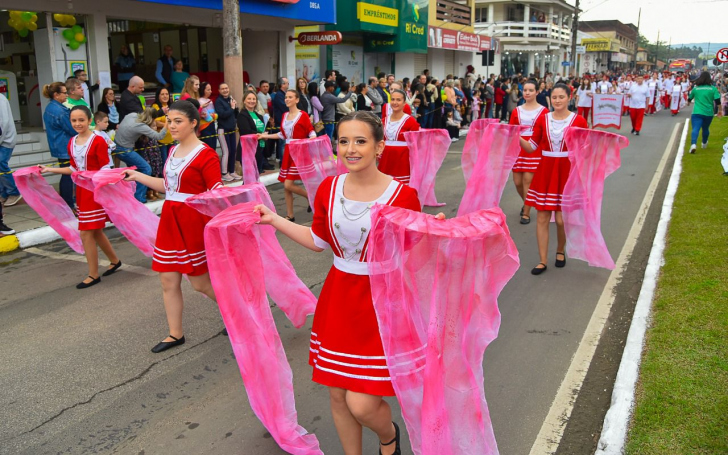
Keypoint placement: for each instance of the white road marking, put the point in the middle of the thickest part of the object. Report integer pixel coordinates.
(80, 258)
(552, 430)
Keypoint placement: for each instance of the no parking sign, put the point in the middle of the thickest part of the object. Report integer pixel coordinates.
(722, 55)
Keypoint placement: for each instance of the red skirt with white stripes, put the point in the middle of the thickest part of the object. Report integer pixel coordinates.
(180, 244)
(527, 162)
(547, 187)
(395, 162)
(90, 214)
(289, 171)
(346, 348)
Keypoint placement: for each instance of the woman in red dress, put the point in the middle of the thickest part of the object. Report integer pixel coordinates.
(296, 125)
(192, 167)
(89, 152)
(527, 162)
(394, 160)
(548, 183)
(346, 350)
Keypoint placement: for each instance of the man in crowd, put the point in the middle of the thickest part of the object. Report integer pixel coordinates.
(82, 76)
(8, 191)
(329, 75)
(637, 104)
(329, 102)
(279, 109)
(129, 102)
(165, 67)
(375, 96)
(75, 96)
(264, 96)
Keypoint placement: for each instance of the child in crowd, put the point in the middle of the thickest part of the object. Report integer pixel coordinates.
(102, 124)
(453, 127)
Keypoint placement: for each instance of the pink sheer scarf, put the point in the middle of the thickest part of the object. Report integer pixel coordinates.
(594, 155)
(435, 285)
(472, 144)
(281, 281)
(427, 151)
(496, 153)
(49, 205)
(239, 264)
(248, 146)
(315, 161)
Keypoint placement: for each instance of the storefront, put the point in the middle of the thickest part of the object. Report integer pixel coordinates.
(451, 51)
(598, 56)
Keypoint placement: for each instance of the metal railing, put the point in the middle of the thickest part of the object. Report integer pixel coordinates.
(528, 30)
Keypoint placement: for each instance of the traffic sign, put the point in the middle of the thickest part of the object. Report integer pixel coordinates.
(722, 55)
(565, 63)
(581, 50)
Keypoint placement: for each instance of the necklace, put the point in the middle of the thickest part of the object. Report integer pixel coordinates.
(362, 232)
(352, 216)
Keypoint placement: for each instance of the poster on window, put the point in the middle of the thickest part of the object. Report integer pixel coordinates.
(607, 111)
(307, 57)
(348, 59)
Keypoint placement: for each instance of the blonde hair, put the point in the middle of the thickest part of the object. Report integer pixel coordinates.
(52, 89)
(147, 116)
(189, 87)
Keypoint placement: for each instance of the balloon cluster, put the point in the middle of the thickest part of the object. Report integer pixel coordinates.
(66, 20)
(23, 22)
(74, 36)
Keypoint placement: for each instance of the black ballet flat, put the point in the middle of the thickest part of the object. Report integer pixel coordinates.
(83, 285)
(164, 345)
(537, 270)
(560, 263)
(113, 269)
(522, 208)
(397, 450)
(525, 219)
(309, 209)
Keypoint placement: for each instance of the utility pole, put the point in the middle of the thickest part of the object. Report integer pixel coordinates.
(637, 42)
(574, 30)
(233, 48)
(657, 51)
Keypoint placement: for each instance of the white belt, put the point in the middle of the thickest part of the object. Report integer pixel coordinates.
(555, 154)
(353, 267)
(288, 141)
(396, 143)
(178, 197)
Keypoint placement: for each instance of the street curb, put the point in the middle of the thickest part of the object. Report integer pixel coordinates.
(616, 421)
(46, 234)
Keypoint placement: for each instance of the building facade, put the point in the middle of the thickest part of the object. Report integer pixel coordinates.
(614, 42)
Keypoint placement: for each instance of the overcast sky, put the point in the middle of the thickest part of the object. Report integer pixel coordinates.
(686, 21)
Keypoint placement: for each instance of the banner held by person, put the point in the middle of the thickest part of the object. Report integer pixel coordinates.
(606, 110)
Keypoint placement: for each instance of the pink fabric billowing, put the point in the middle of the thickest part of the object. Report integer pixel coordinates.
(594, 155)
(281, 281)
(472, 144)
(315, 161)
(132, 218)
(497, 152)
(427, 151)
(49, 205)
(248, 146)
(435, 285)
(238, 265)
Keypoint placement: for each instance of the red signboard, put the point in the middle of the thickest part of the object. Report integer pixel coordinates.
(319, 38)
(443, 38)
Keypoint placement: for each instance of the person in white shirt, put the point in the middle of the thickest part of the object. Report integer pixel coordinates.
(584, 98)
(625, 89)
(604, 87)
(654, 86)
(637, 95)
(667, 85)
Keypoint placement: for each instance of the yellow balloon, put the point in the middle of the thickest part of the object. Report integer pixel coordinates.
(58, 18)
(79, 37)
(71, 20)
(32, 26)
(15, 14)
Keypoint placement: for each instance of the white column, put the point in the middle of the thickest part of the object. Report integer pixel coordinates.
(531, 63)
(542, 66)
(288, 56)
(98, 50)
(491, 13)
(526, 18)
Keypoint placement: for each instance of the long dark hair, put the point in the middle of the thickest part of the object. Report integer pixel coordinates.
(563, 87)
(203, 87)
(704, 79)
(312, 89)
(159, 92)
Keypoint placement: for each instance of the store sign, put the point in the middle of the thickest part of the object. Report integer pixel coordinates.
(442, 38)
(318, 11)
(597, 44)
(375, 14)
(319, 38)
(411, 33)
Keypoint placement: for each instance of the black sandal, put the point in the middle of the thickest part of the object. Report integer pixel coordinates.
(525, 219)
(559, 263)
(397, 450)
(292, 219)
(94, 281)
(538, 270)
(113, 269)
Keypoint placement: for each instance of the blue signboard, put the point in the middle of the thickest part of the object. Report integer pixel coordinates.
(316, 11)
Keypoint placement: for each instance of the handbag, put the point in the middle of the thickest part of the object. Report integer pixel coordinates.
(318, 126)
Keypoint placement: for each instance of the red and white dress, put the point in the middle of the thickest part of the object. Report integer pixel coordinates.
(346, 347)
(91, 156)
(527, 162)
(180, 244)
(294, 129)
(547, 187)
(395, 158)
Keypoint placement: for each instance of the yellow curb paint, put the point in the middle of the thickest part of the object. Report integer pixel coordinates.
(9, 243)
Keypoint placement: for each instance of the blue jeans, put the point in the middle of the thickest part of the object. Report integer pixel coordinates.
(7, 182)
(165, 152)
(429, 114)
(132, 158)
(65, 186)
(329, 128)
(700, 121)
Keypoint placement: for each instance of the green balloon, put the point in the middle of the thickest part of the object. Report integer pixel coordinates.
(68, 34)
(26, 16)
(74, 44)
(23, 32)
(76, 29)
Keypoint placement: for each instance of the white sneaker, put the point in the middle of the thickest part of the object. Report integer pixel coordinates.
(235, 176)
(227, 178)
(12, 200)
(455, 139)
(693, 147)
(704, 145)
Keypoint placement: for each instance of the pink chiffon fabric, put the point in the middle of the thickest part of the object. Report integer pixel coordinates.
(472, 144)
(283, 285)
(239, 263)
(315, 161)
(49, 205)
(435, 285)
(427, 151)
(497, 152)
(248, 146)
(593, 155)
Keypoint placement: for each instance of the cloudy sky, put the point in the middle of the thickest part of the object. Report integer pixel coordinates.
(686, 21)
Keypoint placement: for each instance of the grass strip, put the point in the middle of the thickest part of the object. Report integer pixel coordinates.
(682, 394)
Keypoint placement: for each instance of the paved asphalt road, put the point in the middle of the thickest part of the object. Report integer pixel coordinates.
(77, 376)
